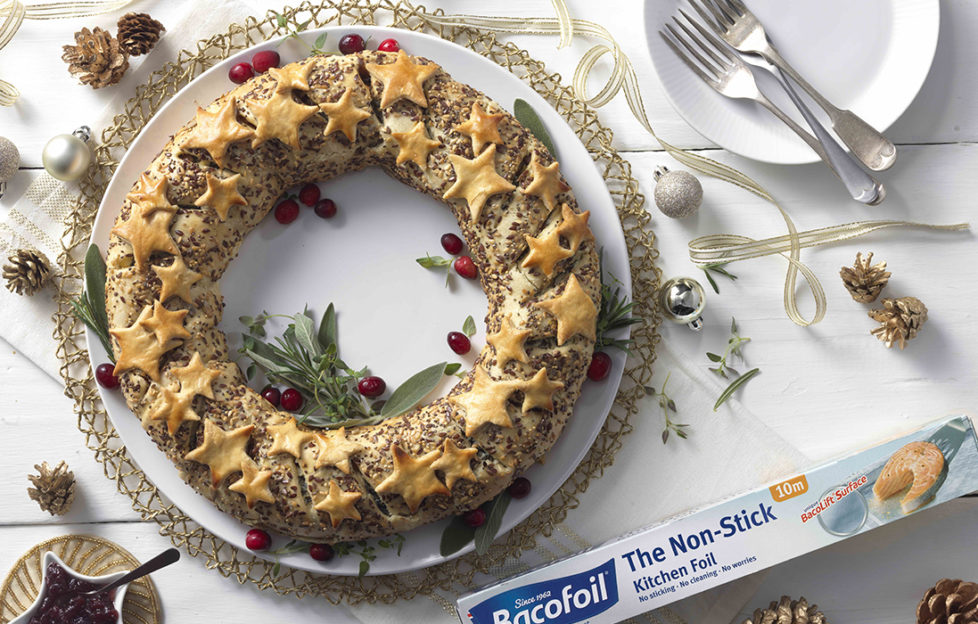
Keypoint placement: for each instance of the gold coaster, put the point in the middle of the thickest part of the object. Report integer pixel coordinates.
(88, 555)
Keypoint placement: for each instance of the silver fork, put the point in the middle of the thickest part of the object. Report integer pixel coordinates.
(745, 33)
(730, 76)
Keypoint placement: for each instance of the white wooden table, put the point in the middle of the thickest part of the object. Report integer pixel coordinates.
(825, 389)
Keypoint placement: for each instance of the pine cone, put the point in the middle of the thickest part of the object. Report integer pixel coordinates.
(54, 490)
(138, 33)
(26, 271)
(863, 281)
(98, 60)
(901, 320)
(788, 611)
(949, 602)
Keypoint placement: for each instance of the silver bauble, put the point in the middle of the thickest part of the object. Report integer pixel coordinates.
(67, 156)
(9, 159)
(678, 194)
(682, 300)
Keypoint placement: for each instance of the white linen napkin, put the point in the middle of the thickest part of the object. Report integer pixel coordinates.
(727, 452)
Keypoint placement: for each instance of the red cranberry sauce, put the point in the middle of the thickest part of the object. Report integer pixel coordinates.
(65, 602)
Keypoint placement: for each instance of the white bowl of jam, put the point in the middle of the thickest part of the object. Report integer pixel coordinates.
(62, 599)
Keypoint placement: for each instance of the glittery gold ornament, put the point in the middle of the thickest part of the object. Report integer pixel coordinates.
(678, 194)
(9, 162)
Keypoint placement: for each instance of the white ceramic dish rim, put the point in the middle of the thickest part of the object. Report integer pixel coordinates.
(48, 558)
(927, 48)
(586, 179)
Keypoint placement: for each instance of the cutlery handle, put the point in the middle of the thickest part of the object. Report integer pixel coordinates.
(861, 186)
(165, 558)
(868, 144)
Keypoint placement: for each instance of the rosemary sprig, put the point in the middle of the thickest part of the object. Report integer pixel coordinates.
(293, 33)
(368, 551)
(667, 405)
(89, 306)
(717, 267)
(307, 359)
(615, 312)
(734, 345)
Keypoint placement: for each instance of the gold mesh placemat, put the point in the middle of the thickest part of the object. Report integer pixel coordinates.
(89, 555)
(182, 530)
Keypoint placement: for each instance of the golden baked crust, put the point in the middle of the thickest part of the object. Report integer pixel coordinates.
(258, 464)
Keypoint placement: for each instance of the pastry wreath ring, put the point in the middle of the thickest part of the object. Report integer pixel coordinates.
(213, 182)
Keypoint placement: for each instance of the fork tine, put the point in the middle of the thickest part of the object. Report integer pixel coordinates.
(705, 48)
(709, 67)
(726, 18)
(699, 8)
(739, 6)
(688, 61)
(718, 45)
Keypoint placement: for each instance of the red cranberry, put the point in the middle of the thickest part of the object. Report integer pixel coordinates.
(465, 267)
(459, 342)
(389, 45)
(520, 488)
(309, 194)
(241, 73)
(256, 539)
(371, 386)
(474, 518)
(287, 212)
(451, 243)
(325, 208)
(272, 395)
(321, 552)
(291, 400)
(352, 43)
(263, 60)
(600, 366)
(105, 376)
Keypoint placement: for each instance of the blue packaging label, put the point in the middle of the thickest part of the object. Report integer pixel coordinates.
(565, 600)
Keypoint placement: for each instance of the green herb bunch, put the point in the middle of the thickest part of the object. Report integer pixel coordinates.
(732, 352)
(667, 405)
(89, 307)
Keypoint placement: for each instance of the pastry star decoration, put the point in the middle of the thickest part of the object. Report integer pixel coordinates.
(222, 451)
(221, 195)
(546, 183)
(176, 279)
(177, 407)
(335, 449)
(476, 180)
(343, 116)
(415, 145)
(150, 196)
(402, 79)
(574, 227)
(574, 311)
(146, 233)
(279, 117)
(253, 484)
(486, 402)
(455, 463)
(139, 348)
(288, 438)
(215, 131)
(508, 342)
(414, 479)
(538, 391)
(292, 76)
(545, 252)
(482, 128)
(339, 504)
(167, 325)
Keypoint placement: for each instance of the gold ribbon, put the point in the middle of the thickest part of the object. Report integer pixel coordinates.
(14, 12)
(706, 249)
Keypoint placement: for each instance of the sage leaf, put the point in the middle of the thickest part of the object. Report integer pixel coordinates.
(95, 285)
(736, 383)
(468, 327)
(305, 334)
(364, 568)
(433, 262)
(455, 536)
(320, 42)
(713, 357)
(327, 327)
(276, 569)
(452, 368)
(485, 535)
(525, 114)
(410, 393)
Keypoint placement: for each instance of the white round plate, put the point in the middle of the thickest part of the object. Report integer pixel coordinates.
(869, 56)
(392, 314)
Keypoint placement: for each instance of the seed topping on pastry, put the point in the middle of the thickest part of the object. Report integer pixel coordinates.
(343, 116)
(574, 311)
(476, 180)
(402, 79)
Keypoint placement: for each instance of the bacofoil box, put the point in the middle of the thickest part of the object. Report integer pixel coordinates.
(688, 554)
